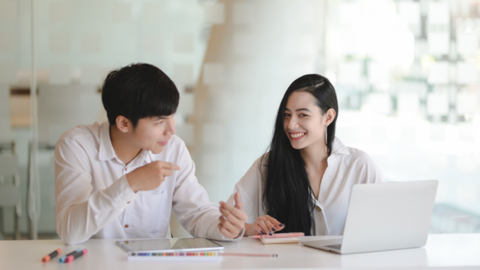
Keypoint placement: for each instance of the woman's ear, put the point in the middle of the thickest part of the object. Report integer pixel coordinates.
(123, 124)
(330, 116)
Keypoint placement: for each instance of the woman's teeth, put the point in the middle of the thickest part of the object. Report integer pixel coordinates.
(297, 135)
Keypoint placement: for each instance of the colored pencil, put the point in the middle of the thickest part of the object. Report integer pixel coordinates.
(249, 254)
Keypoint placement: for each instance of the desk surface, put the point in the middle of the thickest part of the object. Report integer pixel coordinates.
(442, 250)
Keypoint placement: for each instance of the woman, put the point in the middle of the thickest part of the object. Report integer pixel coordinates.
(303, 183)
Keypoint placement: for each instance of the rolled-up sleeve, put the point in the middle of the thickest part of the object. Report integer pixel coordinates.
(79, 212)
(250, 189)
(191, 204)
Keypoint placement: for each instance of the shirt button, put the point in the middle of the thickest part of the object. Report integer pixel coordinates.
(126, 225)
(319, 209)
(128, 202)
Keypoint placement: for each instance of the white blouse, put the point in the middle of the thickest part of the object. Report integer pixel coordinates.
(346, 167)
(94, 199)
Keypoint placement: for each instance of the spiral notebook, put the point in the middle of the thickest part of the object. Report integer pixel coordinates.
(279, 238)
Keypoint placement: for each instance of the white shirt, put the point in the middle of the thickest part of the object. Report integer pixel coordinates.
(94, 199)
(346, 167)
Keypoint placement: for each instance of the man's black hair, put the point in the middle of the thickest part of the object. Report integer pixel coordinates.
(138, 91)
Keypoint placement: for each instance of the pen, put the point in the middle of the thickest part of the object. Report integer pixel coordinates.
(250, 254)
(52, 255)
(76, 255)
(64, 257)
(278, 235)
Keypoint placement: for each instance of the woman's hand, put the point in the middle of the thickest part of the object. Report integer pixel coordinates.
(263, 225)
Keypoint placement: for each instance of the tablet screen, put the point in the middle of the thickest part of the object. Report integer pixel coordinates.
(170, 245)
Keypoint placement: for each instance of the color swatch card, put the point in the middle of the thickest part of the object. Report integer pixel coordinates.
(174, 256)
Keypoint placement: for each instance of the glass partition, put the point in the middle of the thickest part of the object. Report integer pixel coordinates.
(76, 43)
(406, 73)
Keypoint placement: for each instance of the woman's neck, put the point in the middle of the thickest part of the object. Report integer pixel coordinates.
(315, 156)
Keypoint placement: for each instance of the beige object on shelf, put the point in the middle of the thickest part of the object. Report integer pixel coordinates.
(10, 188)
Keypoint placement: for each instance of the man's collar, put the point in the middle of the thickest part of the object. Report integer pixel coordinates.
(106, 151)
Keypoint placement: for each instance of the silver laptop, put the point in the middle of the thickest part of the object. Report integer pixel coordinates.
(384, 216)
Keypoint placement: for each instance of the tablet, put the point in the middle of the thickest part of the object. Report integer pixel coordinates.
(169, 245)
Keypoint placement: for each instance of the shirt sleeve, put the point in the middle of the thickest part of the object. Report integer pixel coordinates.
(250, 188)
(372, 173)
(191, 204)
(79, 212)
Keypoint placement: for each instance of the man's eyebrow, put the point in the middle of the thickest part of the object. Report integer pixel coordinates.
(159, 117)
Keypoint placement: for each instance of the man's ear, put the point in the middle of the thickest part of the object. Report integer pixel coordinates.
(330, 116)
(123, 124)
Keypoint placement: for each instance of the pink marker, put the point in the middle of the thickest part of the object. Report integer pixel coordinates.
(76, 255)
(278, 235)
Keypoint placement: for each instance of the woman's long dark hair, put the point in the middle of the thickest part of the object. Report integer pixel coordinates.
(287, 194)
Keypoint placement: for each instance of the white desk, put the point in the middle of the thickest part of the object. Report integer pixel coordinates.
(452, 251)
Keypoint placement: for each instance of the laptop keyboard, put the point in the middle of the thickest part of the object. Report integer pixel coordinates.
(337, 246)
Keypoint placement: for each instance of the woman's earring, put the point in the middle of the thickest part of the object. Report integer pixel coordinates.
(326, 138)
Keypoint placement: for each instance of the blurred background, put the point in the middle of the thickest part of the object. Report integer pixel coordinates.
(406, 74)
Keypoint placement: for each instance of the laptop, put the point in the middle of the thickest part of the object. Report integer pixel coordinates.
(384, 216)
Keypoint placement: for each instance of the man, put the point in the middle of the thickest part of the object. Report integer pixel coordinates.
(122, 178)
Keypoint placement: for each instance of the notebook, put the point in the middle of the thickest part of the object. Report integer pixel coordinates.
(286, 240)
(384, 216)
